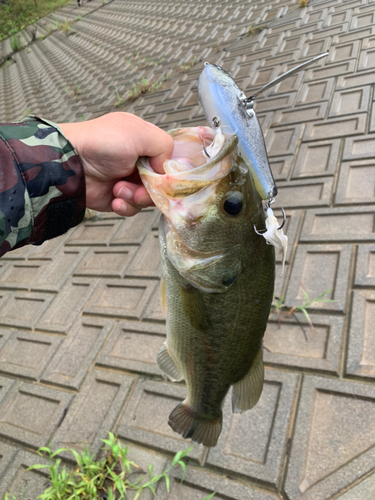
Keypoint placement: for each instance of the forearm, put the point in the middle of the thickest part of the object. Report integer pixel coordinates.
(42, 184)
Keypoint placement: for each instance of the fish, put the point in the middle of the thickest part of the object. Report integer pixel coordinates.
(217, 277)
(226, 106)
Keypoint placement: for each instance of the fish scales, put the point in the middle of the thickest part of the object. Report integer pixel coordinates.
(219, 278)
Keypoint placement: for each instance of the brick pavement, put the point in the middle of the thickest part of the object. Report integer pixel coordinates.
(80, 320)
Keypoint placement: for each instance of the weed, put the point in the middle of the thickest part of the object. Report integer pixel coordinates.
(281, 309)
(75, 90)
(138, 89)
(303, 3)
(186, 67)
(15, 43)
(78, 18)
(256, 29)
(49, 29)
(58, 25)
(65, 26)
(110, 477)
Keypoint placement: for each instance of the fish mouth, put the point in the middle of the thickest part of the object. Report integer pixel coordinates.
(200, 159)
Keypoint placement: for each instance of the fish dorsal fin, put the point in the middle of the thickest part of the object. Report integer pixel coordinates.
(247, 391)
(167, 365)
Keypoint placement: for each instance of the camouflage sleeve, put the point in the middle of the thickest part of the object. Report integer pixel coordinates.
(42, 183)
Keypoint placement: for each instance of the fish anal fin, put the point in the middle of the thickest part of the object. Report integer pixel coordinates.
(167, 365)
(247, 391)
(191, 426)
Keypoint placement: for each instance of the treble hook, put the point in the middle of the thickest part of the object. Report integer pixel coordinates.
(284, 220)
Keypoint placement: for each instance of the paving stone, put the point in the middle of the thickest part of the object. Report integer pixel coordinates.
(335, 260)
(199, 484)
(356, 183)
(94, 233)
(106, 263)
(253, 443)
(26, 354)
(126, 299)
(291, 343)
(90, 418)
(21, 275)
(134, 229)
(355, 80)
(20, 482)
(332, 444)
(300, 114)
(339, 224)
(281, 167)
(364, 490)
(283, 141)
(133, 346)
(66, 306)
(337, 69)
(47, 250)
(53, 275)
(317, 159)
(30, 413)
(350, 101)
(23, 309)
(361, 358)
(365, 266)
(352, 125)
(359, 147)
(70, 364)
(145, 420)
(312, 192)
(154, 311)
(316, 91)
(147, 261)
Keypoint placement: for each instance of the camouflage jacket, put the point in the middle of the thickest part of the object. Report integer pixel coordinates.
(42, 183)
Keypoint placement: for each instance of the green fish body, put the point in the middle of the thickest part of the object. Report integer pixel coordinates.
(218, 278)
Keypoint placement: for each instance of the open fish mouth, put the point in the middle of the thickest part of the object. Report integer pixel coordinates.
(200, 158)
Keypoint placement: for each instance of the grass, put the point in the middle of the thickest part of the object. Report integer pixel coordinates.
(303, 3)
(111, 477)
(142, 87)
(15, 15)
(281, 309)
(184, 68)
(15, 43)
(253, 30)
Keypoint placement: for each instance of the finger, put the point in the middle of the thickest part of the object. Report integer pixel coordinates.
(156, 144)
(120, 207)
(134, 194)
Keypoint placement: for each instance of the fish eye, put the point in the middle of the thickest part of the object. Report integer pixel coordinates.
(233, 203)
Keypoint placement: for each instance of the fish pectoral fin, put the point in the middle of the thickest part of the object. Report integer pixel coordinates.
(167, 365)
(190, 425)
(247, 391)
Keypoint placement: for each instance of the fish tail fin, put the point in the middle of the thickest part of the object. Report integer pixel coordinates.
(190, 425)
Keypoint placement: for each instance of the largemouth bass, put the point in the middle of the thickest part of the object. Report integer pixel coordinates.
(218, 276)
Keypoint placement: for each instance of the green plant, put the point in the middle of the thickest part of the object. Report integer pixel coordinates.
(110, 477)
(186, 67)
(138, 89)
(281, 309)
(303, 3)
(256, 29)
(15, 43)
(65, 26)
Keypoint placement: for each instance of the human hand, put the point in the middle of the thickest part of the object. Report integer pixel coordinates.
(109, 147)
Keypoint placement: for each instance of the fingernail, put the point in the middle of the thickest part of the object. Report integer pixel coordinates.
(144, 200)
(125, 193)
